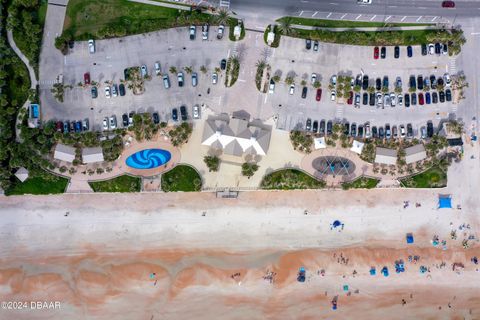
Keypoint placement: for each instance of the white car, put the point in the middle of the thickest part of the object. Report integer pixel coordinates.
(333, 80)
(105, 123)
(393, 99)
(368, 134)
(114, 90)
(402, 131)
(333, 95)
(196, 112)
(379, 99)
(107, 91)
(400, 100)
(113, 122)
(91, 45)
(352, 84)
(144, 71)
(314, 78)
(158, 68)
(431, 49)
(271, 87)
(220, 32)
(205, 32)
(214, 78)
(448, 80)
(292, 89)
(364, 1)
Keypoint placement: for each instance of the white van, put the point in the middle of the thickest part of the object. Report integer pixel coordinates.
(166, 81)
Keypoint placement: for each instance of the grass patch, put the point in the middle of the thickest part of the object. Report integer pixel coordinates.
(119, 184)
(432, 178)
(361, 183)
(290, 179)
(181, 178)
(347, 24)
(116, 18)
(18, 85)
(38, 185)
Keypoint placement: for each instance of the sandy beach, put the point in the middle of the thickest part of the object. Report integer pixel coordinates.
(192, 256)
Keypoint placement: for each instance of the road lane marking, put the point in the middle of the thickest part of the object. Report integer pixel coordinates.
(419, 18)
(329, 15)
(393, 6)
(403, 18)
(313, 15)
(343, 16)
(334, 4)
(358, 17)
(373, 17)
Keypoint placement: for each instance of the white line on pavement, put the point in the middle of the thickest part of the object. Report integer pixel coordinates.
(301, 12)
(334, 4)
(373, 17)
(266, 97)
(422, 8)
(313, 15)
(419, 18)
(388, 18)
(403, 18)
(329, 15)
(393, 6)
(475, 33)
(434, 18)
(358, 17)
(65, 60)
(343, 16)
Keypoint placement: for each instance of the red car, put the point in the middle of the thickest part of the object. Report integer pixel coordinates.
(86, 78)
(319, 94)
(448, 4)
(375, 53)
(59, 126)
(420, 99)
(350, 98)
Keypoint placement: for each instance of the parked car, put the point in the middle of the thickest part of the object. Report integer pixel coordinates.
(271, 86)
(448, 4)
(156, 118)
(374, 132)
(409, 130)
(383, 52)
(166, 81)
(72, 126)
(431, 49)
(357, 98)
(388, 132)
(158, 68)
(420, 82)
(400, 100)
(371, 99)
(421, 101)
(379, 99)
(346, 128)
(381, 132)
(304, 92)
(448, 95)
(412, 82)
(193, 32)
(385, 82)
(180, 79)
(291, 90)
(318, 97)
(85, 124)
(409, 51)
(59, 126)
(429, 129)
(313, 78)
(423, 132)
(130, 118)
(438, 48)
(113, 122)
(333, 95)
(121, 89)
(448, 80)
(105, 123)
(397, 52)
(223, 64)
(365, 98)
(424, 50)
(86, 78)
(360, 131)
(376, 53)
(440, 81)
(214, 78)
(308, 124)
(414, 99)
(183, 113)
(394, 132)
(205, 28)
(398, 82)
(428, 98)
(125, 120)
(107, 91)
(333, 80)
(407, 100)
(441, 95)
(402, 131)
(365, 82)
(114, 90)
(350, 98)
(308, 44)
(174, 114)
(322, 127)
(433, 82)
(368, 133)
(194, 79)
(94, 92)
(315, 126)
(445, 49)
(220, 31)
(329, 127)
(434, 97)
(353, 130)
(315, 45)
(143, 71)
(378, 84)
(196, 112)
(386, 100)
(91, 46)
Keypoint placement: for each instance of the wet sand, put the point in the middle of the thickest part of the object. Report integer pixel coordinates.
(154, 256)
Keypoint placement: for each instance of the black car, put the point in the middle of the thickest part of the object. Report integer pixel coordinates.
(372, 99)
(322, 127)
(374, 132)
(358, 81)
(424, 50)
(365, 99)
(409, 130)
(381, 133)
(156, 118)
(440, 81)
(175, 114)
(414, 99)
(94, 92)
(412, 82)
(420, 82)
(360, 131)
(438, 48)
(121, 89)
(406, 100)
(383, 52)
(329, 127)
(353, 130)
(448, 95)
(441, 95)
(429, 129)
(409, 51)
(433, 82)
(71, 44)
(304, 92)
(315, 126)
(308, 44)
(183, 113)
(378, 84)
(346, 129)
(365, 82)
(397, 52)
(223, 64)
(308, 125)
(385, 82)
(125, 120)
(434, 97)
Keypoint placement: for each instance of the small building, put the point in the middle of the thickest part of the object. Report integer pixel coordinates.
(415, 153)
(357, 147)
(91, 155)
(64, 153)
(385, 156)
(319, 143)
(22, 174)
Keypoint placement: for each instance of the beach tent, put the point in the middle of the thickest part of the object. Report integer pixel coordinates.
(301, 274)
(320, 143)
(444, 201)
(385, 271)
(373, 271)
(409, 238)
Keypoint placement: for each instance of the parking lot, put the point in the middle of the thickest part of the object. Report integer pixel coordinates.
(173, 48)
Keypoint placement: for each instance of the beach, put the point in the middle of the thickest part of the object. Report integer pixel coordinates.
(193, 256)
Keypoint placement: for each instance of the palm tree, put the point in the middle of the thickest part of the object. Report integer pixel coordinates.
(173, 69)
(286, 26)
(303, 83)
(261, 64)
(188, 70)
(317, 84)
(289, 80)
(218, 70)
(203, 69)
(222, 16)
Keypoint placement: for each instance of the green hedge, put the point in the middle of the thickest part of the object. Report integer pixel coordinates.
(119, 184)
(290, 179)
(50, 184)
(181, 178)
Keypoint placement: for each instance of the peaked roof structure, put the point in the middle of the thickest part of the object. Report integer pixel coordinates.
(22, 174)
(90, 155)
(236, 136)
(415, 153)
(386, 156)
(64, 153)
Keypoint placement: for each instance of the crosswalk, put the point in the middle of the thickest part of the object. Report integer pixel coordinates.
(225, 4)
(339, 110)
(47, 82)
(452, 65)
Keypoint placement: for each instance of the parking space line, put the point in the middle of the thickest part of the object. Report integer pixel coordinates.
(393, 6)
(419, 18)
(388, 18)
(403, 18)
(328, 16)
(372, 18)
(358, 17)
(334, 4)
(313, 15)
(343, 16)
(301, 12)
(434, 18)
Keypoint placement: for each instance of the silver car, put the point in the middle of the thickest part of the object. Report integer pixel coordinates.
(194, 79)
(113, 122)
(196, 112)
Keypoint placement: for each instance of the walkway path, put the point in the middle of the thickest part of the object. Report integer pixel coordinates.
(164, 4)
(298, 26)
